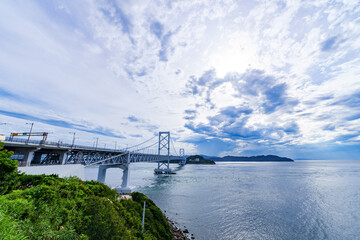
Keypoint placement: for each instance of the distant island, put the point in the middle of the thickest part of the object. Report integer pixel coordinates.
(260, 158)
(197, 159)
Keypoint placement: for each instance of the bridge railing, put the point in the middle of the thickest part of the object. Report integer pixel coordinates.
(7, 139)
(60, 144)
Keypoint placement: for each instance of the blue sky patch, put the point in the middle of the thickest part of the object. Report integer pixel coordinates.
(329, 44)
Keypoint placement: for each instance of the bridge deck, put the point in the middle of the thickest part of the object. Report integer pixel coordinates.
(51, 153)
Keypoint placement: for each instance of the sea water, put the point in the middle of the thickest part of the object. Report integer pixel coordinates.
(269, 200)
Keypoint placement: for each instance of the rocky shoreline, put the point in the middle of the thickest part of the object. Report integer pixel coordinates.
(178, 233)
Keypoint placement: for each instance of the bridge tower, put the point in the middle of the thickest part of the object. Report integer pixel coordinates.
(182, 156)
(164, 148)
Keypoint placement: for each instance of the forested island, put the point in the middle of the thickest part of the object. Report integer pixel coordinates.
(260, 158)
(197, 159)
(50, 207)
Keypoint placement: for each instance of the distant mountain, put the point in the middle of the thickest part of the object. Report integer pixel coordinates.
(260, 158)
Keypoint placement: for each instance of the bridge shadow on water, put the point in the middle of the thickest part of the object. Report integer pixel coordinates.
(164, 180)
(178, 168)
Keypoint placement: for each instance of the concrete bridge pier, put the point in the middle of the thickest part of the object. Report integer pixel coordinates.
(63, 157)
(29, 156)
(125, 176)
(125, 167)
(102, 173)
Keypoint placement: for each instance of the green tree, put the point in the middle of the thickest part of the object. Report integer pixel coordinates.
(9, 174)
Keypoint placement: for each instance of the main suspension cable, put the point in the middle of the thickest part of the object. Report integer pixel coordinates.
(141, 143)
(147, 147)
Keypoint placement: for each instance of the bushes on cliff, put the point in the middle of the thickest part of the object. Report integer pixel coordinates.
(154, 218)
(9, 229)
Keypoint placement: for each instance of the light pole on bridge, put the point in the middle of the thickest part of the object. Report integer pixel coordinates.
(97, 141)
(73, 141)
(32, 124)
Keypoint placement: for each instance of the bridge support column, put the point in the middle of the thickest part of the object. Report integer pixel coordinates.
(28, 157)
(124, 189)
(63, 156)
(125, 177)
(102, 173)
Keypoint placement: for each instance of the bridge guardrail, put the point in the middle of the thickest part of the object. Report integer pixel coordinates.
(60, 144)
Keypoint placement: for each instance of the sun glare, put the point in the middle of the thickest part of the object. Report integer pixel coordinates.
(235, 53)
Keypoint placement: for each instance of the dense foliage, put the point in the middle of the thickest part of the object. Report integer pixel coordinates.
(49, 207)
(8, 171)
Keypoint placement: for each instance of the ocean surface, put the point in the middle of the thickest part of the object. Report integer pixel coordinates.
(290, 200)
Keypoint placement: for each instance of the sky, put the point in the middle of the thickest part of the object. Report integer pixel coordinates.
(224, 77)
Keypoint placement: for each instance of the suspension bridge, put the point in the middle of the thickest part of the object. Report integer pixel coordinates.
(39, 153)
